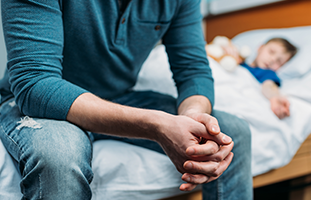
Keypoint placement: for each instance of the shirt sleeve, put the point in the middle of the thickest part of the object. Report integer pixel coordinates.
(271, 75)
(33, 31)
(185, 46)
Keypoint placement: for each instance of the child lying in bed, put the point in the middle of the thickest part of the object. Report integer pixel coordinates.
(270, 57)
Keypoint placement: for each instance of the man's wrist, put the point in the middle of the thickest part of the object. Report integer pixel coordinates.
(195, 104)
(156, 124)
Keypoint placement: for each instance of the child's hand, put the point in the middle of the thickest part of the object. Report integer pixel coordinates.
(280, 106)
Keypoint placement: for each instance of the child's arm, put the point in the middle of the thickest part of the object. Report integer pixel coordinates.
(279, 103)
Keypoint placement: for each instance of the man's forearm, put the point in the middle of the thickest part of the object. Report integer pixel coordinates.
(97, 115)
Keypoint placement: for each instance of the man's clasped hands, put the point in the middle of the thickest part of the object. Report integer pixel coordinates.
(199, 150)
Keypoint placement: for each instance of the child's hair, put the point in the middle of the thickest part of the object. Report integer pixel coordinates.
(290, 48)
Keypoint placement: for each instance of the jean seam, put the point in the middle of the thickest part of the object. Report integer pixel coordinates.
(90, 179)
(40, 188)
(10, 138)
(39, 177)
(21, 151)
(219, 189)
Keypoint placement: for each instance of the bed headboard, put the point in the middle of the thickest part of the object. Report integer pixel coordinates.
(284, 14)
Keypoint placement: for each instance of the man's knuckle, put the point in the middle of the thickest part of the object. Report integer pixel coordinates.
(199, 168)
(216, 173)
(213, 119)
(214, 168)
(214, 148)
(218, 158)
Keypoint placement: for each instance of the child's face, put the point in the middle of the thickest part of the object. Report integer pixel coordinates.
(271, 56)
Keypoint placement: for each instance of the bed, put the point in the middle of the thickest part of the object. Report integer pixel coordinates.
(284, 14)
(118, 177)
(274, 141)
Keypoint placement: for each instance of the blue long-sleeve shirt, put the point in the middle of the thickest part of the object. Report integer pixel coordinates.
(58, 50)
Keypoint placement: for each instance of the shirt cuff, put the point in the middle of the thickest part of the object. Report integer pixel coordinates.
(199, 86)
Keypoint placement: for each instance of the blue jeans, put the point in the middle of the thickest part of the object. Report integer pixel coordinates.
(54, 157)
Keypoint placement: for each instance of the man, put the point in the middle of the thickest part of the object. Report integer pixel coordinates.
(71, 66)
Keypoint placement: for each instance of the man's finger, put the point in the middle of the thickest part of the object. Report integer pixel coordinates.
(187, 186)
(212, 126)
(213, 129)
(195, 178)
(218, 156)
(210, 122)
(220, 138)
(209, 148)
(210, 168)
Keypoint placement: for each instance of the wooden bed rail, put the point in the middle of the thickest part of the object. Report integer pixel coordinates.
(299, 166)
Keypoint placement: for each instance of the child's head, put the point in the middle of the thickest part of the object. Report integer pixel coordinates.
(274, 54)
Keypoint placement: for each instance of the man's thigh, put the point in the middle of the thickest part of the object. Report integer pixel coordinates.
(235, 127)
(22, 135)
(148, 100)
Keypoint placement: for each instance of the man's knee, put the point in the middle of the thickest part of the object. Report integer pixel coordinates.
(235, 127)
(58, 151)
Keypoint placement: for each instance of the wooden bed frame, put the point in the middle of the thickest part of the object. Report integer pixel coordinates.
(284, 14)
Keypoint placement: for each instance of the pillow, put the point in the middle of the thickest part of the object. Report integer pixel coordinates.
(299, 65)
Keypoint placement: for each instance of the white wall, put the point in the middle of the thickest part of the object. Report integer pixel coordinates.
(204, 7)
(3, 59)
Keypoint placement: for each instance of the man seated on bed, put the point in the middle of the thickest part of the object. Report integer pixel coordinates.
(71, 67)
(271, 56)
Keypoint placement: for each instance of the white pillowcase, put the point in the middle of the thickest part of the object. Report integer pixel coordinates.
(299, 65)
